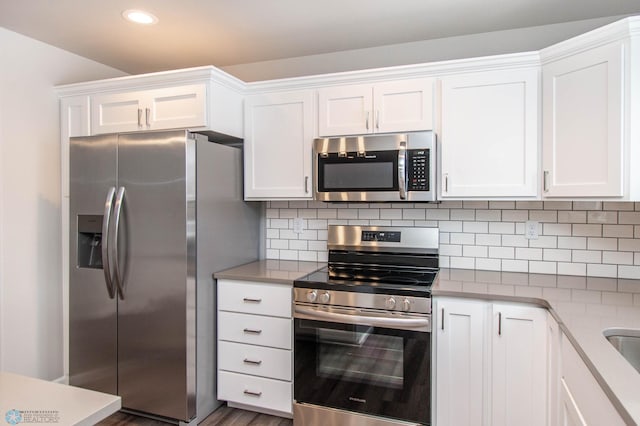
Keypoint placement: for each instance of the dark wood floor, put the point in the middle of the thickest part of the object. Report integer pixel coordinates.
(223, 416)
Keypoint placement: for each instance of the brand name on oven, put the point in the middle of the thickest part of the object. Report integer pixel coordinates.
(360, 400)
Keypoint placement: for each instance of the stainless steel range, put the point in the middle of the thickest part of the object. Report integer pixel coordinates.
(363, 329)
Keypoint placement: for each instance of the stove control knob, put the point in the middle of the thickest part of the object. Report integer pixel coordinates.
(390, 303)
(312, 295)
(324, 297)
(406, 304)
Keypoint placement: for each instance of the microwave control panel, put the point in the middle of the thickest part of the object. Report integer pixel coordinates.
(418, 169)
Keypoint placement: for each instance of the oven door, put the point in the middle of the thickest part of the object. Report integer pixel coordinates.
(360, 361)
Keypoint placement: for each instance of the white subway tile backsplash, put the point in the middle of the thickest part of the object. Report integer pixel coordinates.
(544, 215)
(602, 243)
(500, 252)
(579, 243)
(544, 241)
(515, 215)
(440, 214)
(368, 214)
(414, 214)
(528, 253)
(587, 230)
(390, 214)
(557, 255)
(536, 267)
(602, 217)
(488, 264)
(558, 205)
(460, 238)
(488, 239)
(556, 229)
(565, 268)
(586, 256)
(628, 244)
(475, 227)
(617, 231)
(572, 217)
(474, 251)
(461, 214)
(629, 218)
(515, 265)
(502, 228)
(592, 239)
(617, 257)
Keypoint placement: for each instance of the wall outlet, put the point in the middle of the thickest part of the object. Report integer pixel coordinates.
(531, 230)
(298, 225)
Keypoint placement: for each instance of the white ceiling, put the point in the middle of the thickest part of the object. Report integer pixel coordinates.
(229, 32)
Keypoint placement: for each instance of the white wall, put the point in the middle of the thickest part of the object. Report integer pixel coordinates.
(467, 46)
(30, 227)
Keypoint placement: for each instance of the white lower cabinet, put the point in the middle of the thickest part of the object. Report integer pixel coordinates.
(255, 346)
(491, 363)
(583, 402)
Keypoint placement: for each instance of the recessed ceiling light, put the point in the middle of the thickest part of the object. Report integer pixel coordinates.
(139, 17)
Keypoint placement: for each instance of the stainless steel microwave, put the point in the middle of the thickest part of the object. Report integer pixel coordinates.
(391, 167)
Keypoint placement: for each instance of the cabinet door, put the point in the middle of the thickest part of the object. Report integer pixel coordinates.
(459, 328)
(176, 107)
(345, 110)
(117, 112)
(583, 132)
(403, 106)
(277, 146)
(519, 366)
(489, 134)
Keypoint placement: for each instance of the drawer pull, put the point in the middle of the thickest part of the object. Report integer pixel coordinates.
(251, 331)
(252, 362)
(248, 392)
(250, 300)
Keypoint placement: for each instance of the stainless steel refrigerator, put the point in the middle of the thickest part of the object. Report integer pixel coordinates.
(152, 216)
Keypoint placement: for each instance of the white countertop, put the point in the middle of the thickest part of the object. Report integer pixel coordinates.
(583, 306)
(52, 403)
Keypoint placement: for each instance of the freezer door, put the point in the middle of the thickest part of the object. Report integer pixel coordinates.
(156, 260)
(92, 310)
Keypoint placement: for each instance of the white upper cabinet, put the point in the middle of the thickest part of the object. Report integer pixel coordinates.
(155, 109)
(394, 106)
(277, 146)
(584, 124)
(591, 101)
(489, 134)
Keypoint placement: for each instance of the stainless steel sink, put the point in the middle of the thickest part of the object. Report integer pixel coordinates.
(627, 342)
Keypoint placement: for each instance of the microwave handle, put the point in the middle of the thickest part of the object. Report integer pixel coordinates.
(402, 170)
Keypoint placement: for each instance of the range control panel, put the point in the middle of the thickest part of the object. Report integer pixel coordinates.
(418, 167)
(386, 236)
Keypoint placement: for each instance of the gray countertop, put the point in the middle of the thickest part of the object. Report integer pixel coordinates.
(270, 271)
(583, 306)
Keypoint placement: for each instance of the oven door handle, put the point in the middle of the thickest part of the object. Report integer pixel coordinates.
(358, 317)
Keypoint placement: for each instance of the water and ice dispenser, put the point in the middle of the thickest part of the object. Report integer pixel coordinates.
(90, 241)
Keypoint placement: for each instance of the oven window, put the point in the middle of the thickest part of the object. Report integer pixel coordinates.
(362, 176)
(361, 357)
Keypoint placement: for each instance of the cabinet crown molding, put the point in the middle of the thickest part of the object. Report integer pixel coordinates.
(153, 80)
(616, 31)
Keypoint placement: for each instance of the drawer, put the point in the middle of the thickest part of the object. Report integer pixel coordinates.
(255, 329)
(255, 298)
(255, 391)
(255, 360)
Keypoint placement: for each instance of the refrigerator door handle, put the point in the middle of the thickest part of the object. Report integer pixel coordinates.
(106, 219)
(116, 262)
